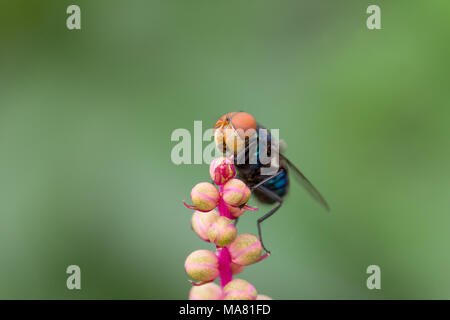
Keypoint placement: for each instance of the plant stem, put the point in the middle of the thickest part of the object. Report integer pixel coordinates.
(225, 273)
(224, 211)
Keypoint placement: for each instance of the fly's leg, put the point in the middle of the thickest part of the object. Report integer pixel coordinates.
(267, 179)
(269, 193)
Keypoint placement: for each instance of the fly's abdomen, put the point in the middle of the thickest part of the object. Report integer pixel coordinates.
(279, 184)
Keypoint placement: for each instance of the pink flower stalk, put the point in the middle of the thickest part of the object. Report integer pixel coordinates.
(225, 272)
(213, 222)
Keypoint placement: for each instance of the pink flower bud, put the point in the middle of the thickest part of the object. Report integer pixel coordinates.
(201, 221)
(209, 291)
(222, 232)
(263, 297)
(236, 212)
(221, 170)
(202, 265)
(238, 289)
(236, 193)
(245, 249)
(205, 196)
(236, 268)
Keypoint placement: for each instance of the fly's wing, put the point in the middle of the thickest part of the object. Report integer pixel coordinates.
(298, 174)
(306, 184)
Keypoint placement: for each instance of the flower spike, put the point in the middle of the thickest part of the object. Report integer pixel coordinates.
(216, 208)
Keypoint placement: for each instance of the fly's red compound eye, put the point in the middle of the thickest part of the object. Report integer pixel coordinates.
(244, 123)
(232, 130)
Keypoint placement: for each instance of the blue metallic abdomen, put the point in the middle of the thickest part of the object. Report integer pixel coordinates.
(278, 184)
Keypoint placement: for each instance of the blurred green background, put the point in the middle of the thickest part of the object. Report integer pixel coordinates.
(86, 118)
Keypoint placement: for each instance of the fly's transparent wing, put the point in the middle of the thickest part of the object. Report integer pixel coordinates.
(306, 184)
(298, 174)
